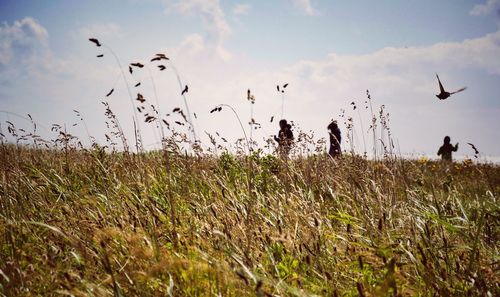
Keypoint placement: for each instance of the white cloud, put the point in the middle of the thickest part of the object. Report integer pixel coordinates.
(212, 16)
(491, 6)
(25, 52)
(242, 9)
(22, 42)
(305, 6)
(401, 78)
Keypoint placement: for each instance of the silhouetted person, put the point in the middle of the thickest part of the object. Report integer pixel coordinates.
(446, 149)
(284, 138)
(335, 139)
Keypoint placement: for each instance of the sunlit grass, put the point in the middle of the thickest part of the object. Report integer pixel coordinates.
(91, 223)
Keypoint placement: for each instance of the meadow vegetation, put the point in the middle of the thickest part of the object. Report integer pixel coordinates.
(79, 222)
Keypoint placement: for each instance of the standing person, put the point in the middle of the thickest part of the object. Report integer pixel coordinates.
(446, 149)
(335, 139)
(284, 138)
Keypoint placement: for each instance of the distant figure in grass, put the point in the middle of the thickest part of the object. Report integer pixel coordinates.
(284, 138)
(446, 149)
(335, 138)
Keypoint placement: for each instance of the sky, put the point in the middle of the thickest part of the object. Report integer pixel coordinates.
(329, 52)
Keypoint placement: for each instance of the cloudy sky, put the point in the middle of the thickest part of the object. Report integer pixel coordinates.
(329, 52)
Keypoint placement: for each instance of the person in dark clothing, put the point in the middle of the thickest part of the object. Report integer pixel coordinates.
(446, 149)
(284, 138)
(335, 139)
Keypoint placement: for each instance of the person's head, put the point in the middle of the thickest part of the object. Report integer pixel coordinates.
(333, 126)
(447, 139)
(283, 124)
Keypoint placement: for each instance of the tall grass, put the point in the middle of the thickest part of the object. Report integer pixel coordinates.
(86, 222)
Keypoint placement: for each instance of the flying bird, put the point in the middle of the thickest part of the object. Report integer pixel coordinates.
(130, 69)
(100, 56)
(184, 91)
(278, 87)
(285, 85)
(272, 118)
(162, 67)
(177, 109)
(137, 65)
(94, 40)
(137, 84)
(110, 92)
(444, 94)
(155, 59)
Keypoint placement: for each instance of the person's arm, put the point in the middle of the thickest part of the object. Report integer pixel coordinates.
(440, 151)
(456, 147)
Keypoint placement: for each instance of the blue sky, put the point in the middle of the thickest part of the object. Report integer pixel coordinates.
(329, 51)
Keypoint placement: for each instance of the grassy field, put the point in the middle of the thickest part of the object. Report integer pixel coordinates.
(91, 223)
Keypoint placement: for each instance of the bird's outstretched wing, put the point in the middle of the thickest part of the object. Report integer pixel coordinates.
(440, 85)
(460, 90)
